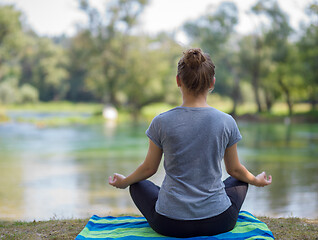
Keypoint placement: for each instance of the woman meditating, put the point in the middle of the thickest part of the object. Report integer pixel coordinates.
(194, 138)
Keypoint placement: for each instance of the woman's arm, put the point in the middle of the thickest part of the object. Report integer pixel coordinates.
(238, 171)
(148, 168)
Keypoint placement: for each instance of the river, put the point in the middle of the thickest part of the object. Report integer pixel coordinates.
(61, 172)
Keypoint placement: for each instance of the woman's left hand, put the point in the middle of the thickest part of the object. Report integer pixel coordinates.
(118, 181)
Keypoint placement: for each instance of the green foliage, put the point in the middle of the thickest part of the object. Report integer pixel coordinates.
(28, 94)
(43, 66)
(212, 33)
(10, 42)
(10, 25)
(109, 36)
(154, 62)
(108, 61)
(9, 92)
(308, 54)
(28, 59)
(79, 53)
(272, 63)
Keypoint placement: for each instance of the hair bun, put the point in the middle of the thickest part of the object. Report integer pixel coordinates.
(193, 58)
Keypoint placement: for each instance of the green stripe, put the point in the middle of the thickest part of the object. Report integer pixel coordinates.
(259, 237)
(115, 221)
(244, 227)
(249, 216)
(120, 232)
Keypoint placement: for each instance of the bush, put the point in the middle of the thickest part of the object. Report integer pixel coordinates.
(28, 94)
(9, 93)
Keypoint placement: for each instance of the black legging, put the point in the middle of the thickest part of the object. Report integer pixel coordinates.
(145, 195)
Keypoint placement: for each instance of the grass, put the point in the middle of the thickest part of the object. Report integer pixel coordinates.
(292, 228)
(246, 111)
(282, 228)
(93, 109)
(53, 229)
(61, 106)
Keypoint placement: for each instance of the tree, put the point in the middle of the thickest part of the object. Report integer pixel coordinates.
(43, 66)
(250, 55)
(12, 44)
(212, 33)
(150, 74)
(11, 39)
(110, 34)
(308, 53)
(289, 81)
(276, 39)
(79, 51)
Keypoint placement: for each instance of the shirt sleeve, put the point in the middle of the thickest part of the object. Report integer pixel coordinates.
(153, 132)
(234, 133)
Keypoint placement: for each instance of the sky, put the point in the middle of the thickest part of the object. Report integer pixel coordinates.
(55, 17)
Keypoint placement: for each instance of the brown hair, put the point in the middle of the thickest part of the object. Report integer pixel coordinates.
(196, 70)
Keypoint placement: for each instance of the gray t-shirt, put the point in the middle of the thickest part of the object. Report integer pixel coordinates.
(193, 142)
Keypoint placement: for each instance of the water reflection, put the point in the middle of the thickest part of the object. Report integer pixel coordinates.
(289, 153)
(62, 172)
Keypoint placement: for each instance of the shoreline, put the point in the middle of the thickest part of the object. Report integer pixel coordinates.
(294, 119)
(282, 228)
(77, 118)
(73, 113)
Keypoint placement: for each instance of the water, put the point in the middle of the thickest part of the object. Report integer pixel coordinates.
(61, 172)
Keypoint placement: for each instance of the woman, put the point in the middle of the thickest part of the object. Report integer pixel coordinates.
(194, 138)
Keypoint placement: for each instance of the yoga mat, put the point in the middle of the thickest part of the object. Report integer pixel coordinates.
(133, 228)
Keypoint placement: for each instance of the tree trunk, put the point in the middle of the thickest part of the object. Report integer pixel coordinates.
(287, 94)
(136, 116)
(313, 105)
(313, 98)
(235, 93)
(268, 100)
(256, 74)
(256, 93)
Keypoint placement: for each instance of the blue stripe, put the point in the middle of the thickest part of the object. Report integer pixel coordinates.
(248, 219)
(149, 238)
(255, 232)
(105, 226)
(95, 217)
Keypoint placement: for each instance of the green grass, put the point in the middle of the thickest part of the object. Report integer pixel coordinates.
(292, 228)
(56, 121)
(246, 111)
(150, 111)
(53, 229)
(282, 228)
(95, 109)
(58, 107)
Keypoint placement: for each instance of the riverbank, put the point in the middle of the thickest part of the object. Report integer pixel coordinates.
(282, 228)
(73, 113)
(301, 117)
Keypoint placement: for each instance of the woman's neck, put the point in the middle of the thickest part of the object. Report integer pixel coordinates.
(190, 100)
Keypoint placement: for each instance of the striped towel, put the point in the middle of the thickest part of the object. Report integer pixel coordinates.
(133, 228)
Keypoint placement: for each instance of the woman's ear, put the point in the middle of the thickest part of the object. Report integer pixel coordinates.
(213, 82)
(178, 81)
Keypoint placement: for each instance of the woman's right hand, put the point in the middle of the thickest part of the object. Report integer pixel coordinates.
(118, 181)
(261, 180)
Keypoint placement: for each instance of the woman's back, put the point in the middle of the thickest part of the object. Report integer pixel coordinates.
(193, 141)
